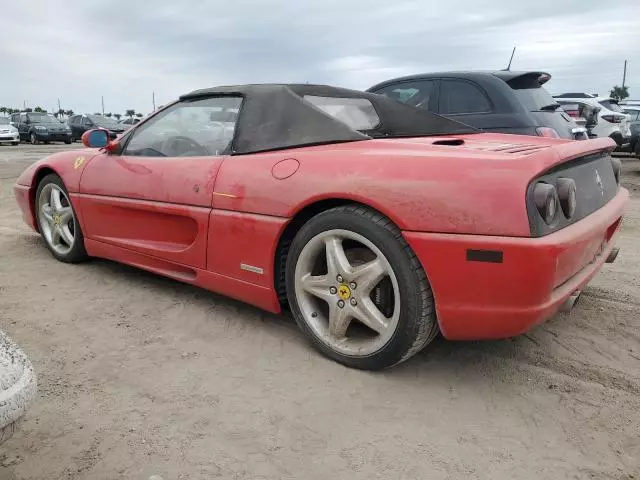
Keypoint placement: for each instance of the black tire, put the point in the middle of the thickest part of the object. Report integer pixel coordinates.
(34, 140)
(15, 144)
(417, 324)
(68, 142)
(77, 253)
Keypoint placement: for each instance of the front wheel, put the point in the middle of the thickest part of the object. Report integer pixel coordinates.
(357, 290)
(57, 221)
(68, 142)
(15, 144)
(34, 139)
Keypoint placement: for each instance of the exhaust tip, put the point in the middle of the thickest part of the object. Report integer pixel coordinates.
(570, 302)
(613, 255)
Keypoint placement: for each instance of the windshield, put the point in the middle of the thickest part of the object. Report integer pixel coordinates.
(4, 121)
(42, 118)
(611, 105)
(357, 113)
(104, 121)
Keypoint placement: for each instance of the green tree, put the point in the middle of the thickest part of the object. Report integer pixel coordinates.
(131, 113)
(117, 115)
(139, 115)
(39, 110)
(108, 114)
(61, 113)
(619, 93)
(68, 113)
(3, 110)
(28, 110)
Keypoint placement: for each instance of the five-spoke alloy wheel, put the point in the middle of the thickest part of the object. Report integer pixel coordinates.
(357, 290)
(57, 221)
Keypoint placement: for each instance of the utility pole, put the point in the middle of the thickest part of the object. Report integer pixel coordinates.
(624, 74)
(153, 100)
(102, 105)
(511, 59)
(59, 105)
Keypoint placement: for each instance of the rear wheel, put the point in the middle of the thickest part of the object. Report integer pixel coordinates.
(57, 221)
(357, 290)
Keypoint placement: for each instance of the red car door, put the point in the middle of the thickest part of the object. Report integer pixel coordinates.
(155, 195)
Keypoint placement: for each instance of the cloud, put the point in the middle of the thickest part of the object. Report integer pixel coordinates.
(80, 51)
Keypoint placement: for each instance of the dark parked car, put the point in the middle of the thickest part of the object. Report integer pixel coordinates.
(81, 123)
(634, 124)
(503, 101)
(38, 127)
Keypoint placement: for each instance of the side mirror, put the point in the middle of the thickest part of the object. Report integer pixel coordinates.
(97, 138)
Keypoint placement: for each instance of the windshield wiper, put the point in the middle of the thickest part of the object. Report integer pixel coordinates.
(552, 107)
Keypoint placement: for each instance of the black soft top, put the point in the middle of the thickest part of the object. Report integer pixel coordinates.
(276, 116)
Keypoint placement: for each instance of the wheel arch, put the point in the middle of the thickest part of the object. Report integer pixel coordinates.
(298, 220)
(37, 178)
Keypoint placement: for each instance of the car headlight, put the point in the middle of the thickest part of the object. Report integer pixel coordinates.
(567, 196)
(545, 197)
(617, 167)
(40, 127)
(12, 129)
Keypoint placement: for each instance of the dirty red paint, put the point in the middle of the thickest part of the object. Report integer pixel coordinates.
(199, 219)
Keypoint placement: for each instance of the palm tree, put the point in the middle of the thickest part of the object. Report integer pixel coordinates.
(131, 113)
(108, 114)
(61, 113)
(619, 93)
(139, 115)
(28, 110)
(68, 113)
(3, 110)
(117, 115)
(39, 110)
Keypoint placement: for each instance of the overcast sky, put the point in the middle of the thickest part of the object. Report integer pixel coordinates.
(124, 50)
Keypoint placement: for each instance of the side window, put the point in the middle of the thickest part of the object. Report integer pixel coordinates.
(23, 117)
(416, 94)
(457, 96)
(192, 128)
(86, 122)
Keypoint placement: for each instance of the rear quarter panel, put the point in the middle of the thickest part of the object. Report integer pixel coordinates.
(420, 187)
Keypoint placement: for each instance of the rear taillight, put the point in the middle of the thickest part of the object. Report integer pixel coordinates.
(545, 197)
(612, 118)
(547, 132)
(573, 113)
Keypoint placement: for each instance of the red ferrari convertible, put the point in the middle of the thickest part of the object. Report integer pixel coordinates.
(376, 224)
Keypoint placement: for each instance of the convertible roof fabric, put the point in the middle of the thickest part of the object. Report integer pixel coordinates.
(276, 116)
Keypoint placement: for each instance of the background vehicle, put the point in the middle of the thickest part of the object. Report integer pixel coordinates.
(583, 114)
(81, 123)
(40, 127)
(8, 133)
(503, 101)
(612, 121)
(18, 386)
(354, 211)
(634, 125)
(129, 121)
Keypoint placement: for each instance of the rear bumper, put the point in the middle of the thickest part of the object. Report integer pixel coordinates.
(485, 300)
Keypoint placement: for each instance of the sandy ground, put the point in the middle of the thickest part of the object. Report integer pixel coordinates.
(141, 376)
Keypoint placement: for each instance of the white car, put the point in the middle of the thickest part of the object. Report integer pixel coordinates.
(612, 121)
(8, 133)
